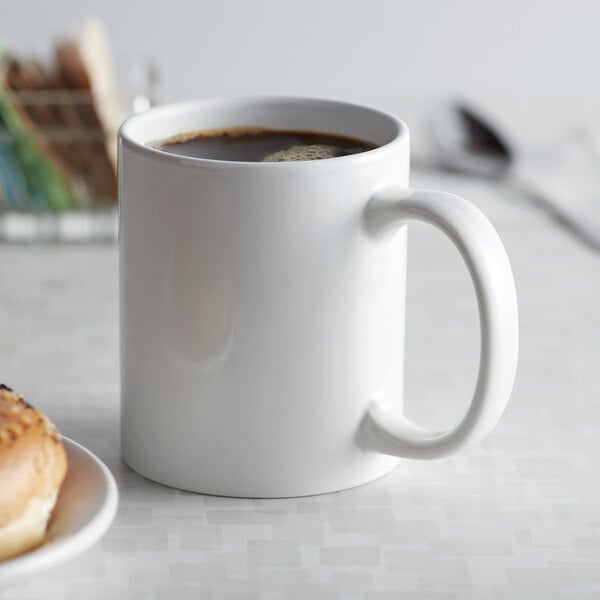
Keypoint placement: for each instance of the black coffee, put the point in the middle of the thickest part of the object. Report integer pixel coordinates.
(262, 145)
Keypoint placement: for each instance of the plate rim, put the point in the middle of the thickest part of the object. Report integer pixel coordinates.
(60, 550)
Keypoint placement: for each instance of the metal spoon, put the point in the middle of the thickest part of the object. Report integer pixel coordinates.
(465, 141)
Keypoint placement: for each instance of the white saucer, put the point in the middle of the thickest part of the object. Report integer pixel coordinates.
(85, 509)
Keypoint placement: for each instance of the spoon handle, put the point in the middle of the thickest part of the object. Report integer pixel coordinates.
(569, 196)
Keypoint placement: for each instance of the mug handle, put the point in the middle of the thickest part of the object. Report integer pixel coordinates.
(481, 249)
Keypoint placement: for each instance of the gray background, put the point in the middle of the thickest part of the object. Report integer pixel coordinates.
(533, 64)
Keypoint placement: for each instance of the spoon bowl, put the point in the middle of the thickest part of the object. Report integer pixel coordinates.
(465, 141)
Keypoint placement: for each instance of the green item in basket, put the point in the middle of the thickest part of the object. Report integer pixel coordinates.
(46, 188)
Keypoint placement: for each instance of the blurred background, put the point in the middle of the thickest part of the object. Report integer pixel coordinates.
(528, 70)
(534, 64)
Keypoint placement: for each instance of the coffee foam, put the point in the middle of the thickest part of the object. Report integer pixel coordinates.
(308, 152)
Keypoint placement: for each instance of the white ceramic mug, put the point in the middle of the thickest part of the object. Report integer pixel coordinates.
(263, 305)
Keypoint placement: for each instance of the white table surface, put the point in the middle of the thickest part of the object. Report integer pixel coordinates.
(516, 517)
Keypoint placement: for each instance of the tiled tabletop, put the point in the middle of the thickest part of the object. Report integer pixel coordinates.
(516, 517)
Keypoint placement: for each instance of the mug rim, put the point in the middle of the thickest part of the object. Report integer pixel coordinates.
(127, 138)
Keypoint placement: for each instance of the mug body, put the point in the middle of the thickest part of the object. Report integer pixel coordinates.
(258, 316)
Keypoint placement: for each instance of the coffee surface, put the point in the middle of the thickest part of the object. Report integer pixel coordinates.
(262, 145)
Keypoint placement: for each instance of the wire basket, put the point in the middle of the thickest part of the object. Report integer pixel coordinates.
(57, 168)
